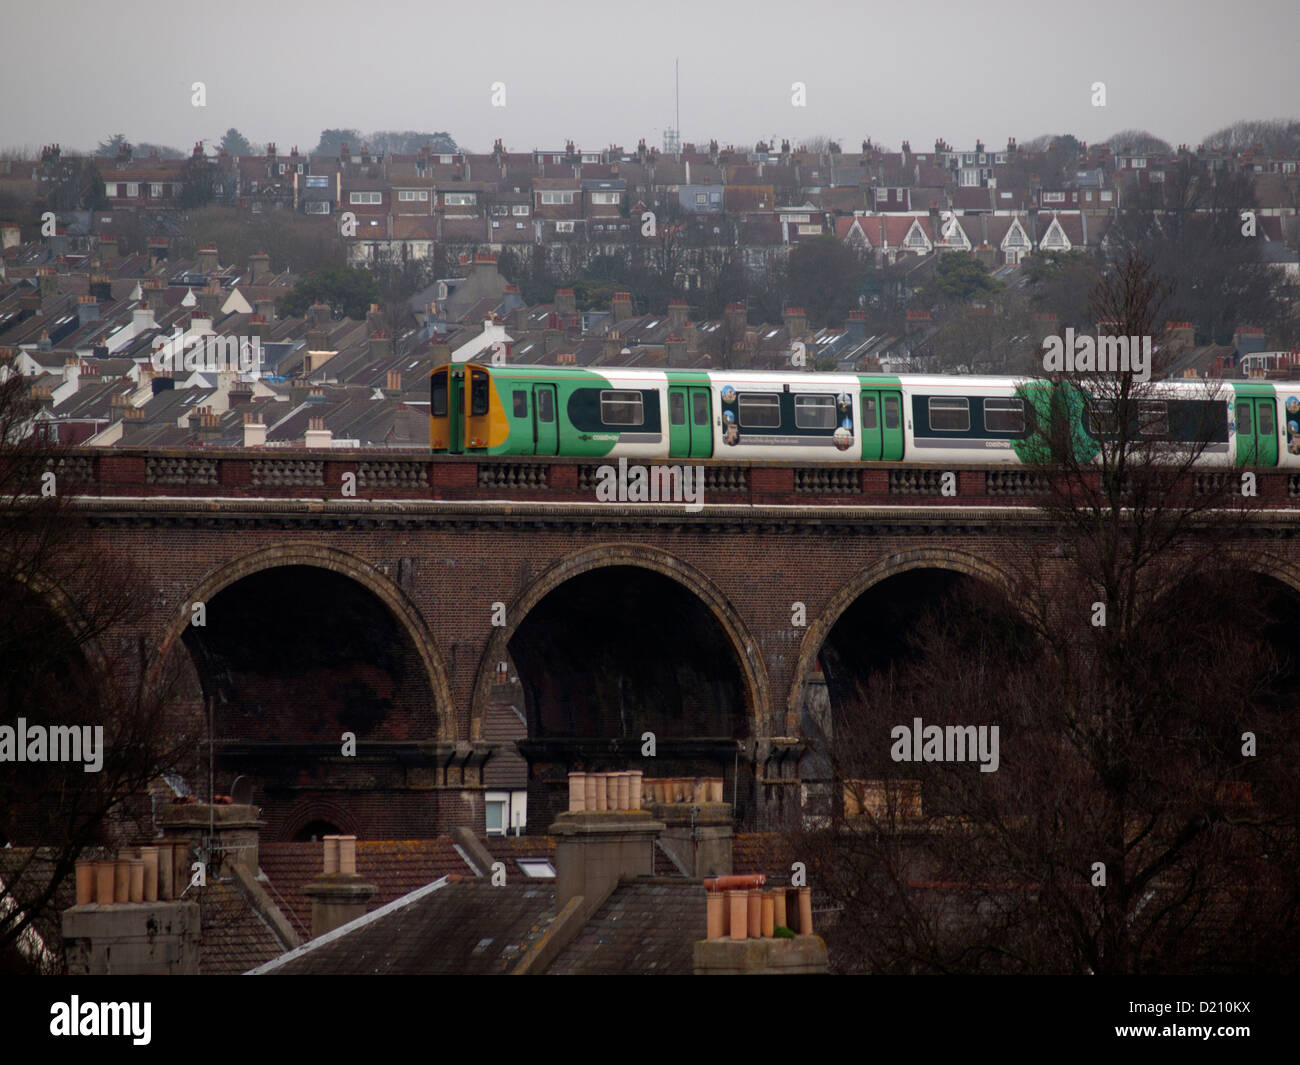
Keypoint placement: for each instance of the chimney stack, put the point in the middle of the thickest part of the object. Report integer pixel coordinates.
(259, 266)
(317, 435)
(796, 321)
(621, 306)
(676, 315)
(254, 430)
(338, 895)
(107, 248)
(566, 304)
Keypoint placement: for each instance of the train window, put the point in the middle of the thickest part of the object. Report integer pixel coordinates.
(700, 400)
(676, 408)
(1004, 415)
(546, 405)
(868, 412)
(521, 404)
(815, 412)
(1103, 417)
(621, 408)
(478, 394)
(1243, 419)
(892, 412)
(440, 395)
(949, 415)
(1153, 418)
(1265, 418)
(759, 410)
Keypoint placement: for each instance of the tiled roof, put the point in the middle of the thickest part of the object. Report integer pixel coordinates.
(395, 867)
(645, 927)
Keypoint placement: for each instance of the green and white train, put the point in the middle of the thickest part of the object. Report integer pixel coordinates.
(835, 417)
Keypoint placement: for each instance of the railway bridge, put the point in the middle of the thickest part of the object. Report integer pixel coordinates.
(441, 609)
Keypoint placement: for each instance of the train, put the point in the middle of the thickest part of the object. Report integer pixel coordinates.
(923, 419)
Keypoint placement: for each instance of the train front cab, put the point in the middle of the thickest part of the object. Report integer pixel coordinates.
(459, 408)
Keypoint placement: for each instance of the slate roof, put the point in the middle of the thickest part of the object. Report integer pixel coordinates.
(233, 937)
(467, 928)
(646, 927)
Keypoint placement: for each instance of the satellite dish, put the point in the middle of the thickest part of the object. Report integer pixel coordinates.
(241, 791)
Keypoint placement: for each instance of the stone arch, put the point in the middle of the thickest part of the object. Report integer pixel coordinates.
(919, 558)
(318, 556)
(756, 693)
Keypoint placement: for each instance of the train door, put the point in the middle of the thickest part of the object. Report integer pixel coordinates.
(456, 411)
(882, 424)
(869, 425)
(546, 429)
(1256, 418)
(701, 422)
(679, 430)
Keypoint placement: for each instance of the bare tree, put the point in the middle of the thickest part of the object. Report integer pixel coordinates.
(66, 661)
(1130, 819)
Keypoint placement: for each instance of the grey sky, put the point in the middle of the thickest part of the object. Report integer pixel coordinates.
(602, 73)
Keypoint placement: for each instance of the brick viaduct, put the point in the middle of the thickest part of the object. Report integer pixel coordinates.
(617, 618)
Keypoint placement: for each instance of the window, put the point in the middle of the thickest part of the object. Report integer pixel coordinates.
(949, 415)
(621, 408)
(1107, 196)
(316, 207)
(1053, 197)
(1265, 418)
(814, 412)
(557, 197)
(520, 210)
(970, 178)
(701, 197)
(1153, 418)
(439, 404)
(1243, 420)
(892, 412)
(868, 412)
(365, 197)
(759, 410)
(1088, 196)
(478, 395)
(715, 197)
(564, 227)
(132, 189)
(316, 181)
(1103, 417)
(1138, 164)
(156, 190)
(495, 809)
(546, 405)
(445, 160)
(521, 404)
(519, 225)
(700, 401)
(1004, 415)
(410, 195)
(606, 197)
(459, 199)
(537, 868)
(676, 408)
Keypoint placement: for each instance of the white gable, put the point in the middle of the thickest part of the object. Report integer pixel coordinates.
(1055, 239)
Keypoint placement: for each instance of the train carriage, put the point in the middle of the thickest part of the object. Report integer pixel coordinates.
(928, 419)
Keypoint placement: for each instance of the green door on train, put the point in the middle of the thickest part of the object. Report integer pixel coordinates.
(1254, 411)
(690, 422)
(882, 425)
(546, 430)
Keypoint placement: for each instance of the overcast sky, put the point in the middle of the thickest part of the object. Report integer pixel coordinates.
(602, 72)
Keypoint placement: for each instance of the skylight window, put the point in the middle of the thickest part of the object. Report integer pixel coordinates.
(538, 868)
